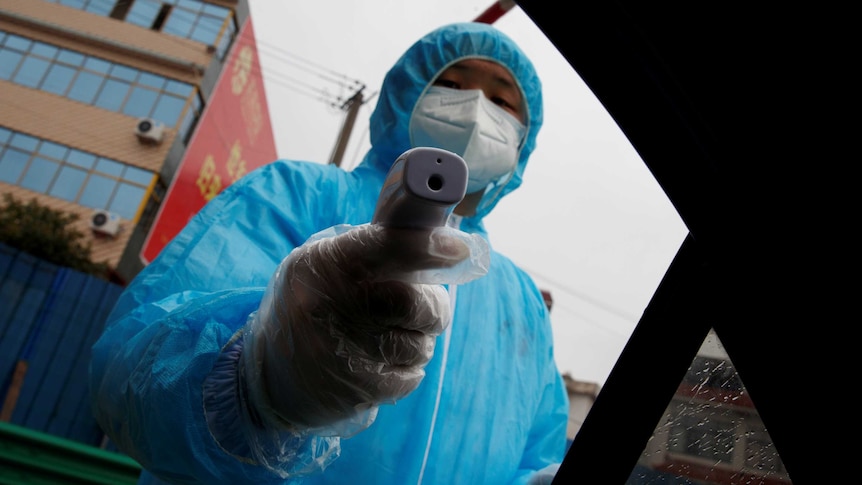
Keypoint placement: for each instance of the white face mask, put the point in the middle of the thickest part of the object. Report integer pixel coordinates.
(465, 122)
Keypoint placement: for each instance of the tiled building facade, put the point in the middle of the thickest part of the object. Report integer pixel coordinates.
(98, 102)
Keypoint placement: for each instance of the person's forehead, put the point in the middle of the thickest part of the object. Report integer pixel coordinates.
(486, 68)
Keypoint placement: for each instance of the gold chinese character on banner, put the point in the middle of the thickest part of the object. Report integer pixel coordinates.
(208, 180)
(242, 69)
(251, 108)
(236, 167)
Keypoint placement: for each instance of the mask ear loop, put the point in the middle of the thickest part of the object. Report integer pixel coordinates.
(525, 106)
(494, 189)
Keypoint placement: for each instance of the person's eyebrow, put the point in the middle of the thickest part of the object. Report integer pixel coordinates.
(500, 78)
(505, 82)
(457, 67)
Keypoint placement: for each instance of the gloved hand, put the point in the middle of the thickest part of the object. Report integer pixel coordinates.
(345, 327)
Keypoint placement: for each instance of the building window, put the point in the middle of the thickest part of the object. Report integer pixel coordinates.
(73, 175)
(98, 7)
(760, 454)
(703, 437)
(190, 19)
(716, 373)
(97, 82)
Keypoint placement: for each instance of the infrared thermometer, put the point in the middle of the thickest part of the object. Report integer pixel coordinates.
(421, 189)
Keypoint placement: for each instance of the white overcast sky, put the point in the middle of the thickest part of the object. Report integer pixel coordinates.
(589, 223)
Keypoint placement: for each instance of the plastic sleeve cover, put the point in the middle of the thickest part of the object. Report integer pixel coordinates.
(238, 429)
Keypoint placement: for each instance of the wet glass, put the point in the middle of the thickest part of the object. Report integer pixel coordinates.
(711, 433)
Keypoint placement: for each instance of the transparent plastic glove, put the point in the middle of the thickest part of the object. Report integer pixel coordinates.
(346, 325)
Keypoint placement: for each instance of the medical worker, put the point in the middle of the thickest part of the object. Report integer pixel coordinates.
(283, 338)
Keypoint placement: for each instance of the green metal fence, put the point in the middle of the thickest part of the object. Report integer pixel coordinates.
(32, 457)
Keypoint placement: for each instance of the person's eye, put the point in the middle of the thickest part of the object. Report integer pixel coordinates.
(447, 83)
(508, 106)
(501, 102)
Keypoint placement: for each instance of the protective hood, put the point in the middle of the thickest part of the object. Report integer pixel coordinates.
(414, 72)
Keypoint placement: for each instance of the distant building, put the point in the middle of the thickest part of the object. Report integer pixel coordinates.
(582, 396)
(711, 433)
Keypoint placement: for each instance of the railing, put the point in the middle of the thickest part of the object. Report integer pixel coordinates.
(28, 456)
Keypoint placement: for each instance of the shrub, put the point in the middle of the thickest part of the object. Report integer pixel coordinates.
(47, 234)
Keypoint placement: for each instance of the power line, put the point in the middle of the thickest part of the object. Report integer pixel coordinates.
(325, 73)
(583, 296)
(341, 81)
(301, 87)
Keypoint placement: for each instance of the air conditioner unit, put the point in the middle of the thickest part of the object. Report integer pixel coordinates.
(104, 222)
(150, 131)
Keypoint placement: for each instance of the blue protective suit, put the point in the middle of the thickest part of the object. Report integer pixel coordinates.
(492, 408)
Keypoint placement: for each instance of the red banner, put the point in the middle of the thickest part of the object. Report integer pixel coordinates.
(233, 137)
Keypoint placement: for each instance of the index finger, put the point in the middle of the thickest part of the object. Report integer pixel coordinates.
(382, 252)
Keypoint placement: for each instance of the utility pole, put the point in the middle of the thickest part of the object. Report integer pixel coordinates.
(351, 106)
(495, 11)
